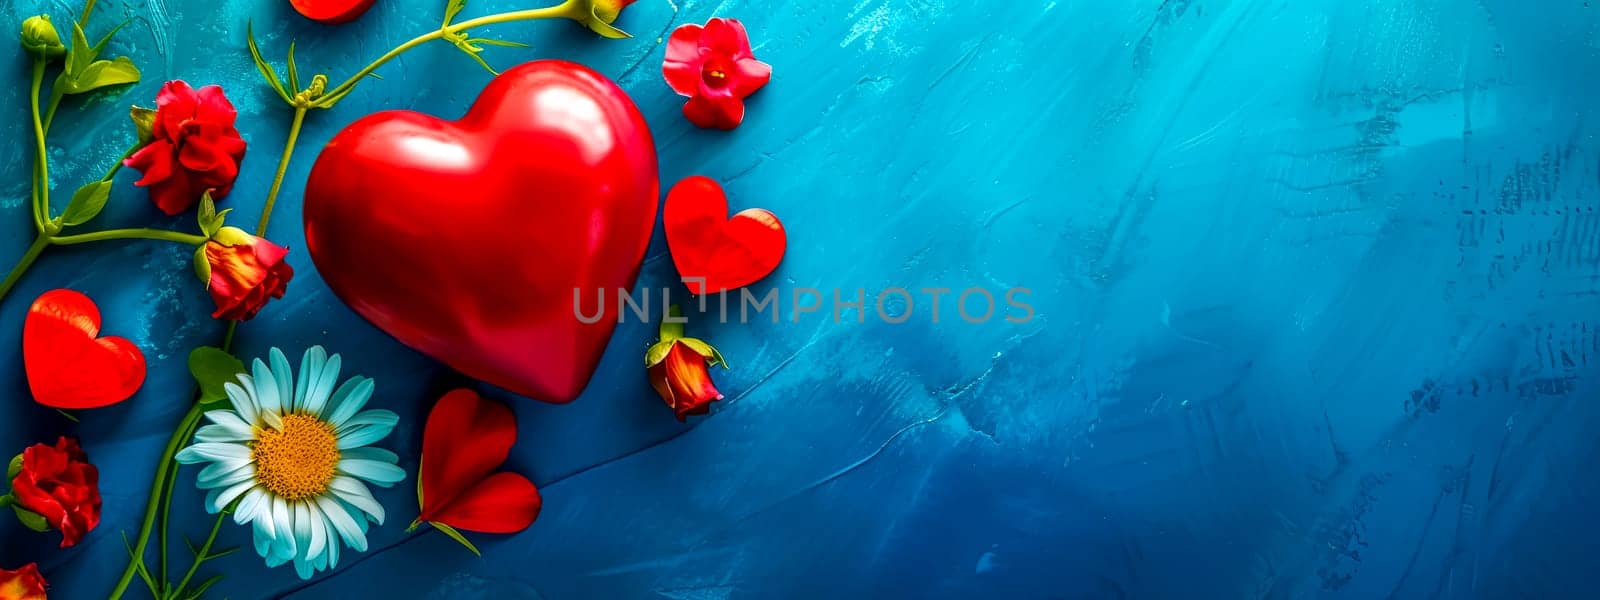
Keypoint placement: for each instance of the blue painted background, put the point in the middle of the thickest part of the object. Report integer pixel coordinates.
(1318, 293)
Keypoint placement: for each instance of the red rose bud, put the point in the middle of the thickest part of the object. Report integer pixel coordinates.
(22, 584)
(57, 484)
(195, 147)
(714, 68)
(242, 272)
(679, 369)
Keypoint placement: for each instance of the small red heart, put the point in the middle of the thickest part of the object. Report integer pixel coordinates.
(67, 366)
(727, 253)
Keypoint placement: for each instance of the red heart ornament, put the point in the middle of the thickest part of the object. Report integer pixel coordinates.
(478, 241)
(67, 366)
(712, 251)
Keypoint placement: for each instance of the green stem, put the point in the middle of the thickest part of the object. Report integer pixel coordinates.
(56, 95)
(130, 234)
(201, 557)
(283, 168)
(41, 169)
(23, 263)
(88, 8)
(161, 488)
(155, 500)
(566, 9)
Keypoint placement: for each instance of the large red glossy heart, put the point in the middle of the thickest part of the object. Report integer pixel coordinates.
(712, 251)
(67, 366)
(475, 241)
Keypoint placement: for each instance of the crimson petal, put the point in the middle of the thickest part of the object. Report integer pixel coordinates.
(465, 439)
(503, 503)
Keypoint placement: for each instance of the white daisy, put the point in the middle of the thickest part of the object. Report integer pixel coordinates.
(295, 457)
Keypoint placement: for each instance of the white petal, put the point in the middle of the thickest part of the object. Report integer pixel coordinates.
(323, 391)
(370, 417)
(283, 520)
(224, 496)
(317, 526)
(348, 529)
(380, 473)
(219, 433)
(370, 453)
(229, 420)
(226, 478)
(310, 370)
(213, 451)
(267, 389)
(362, 436)
(356, 494)
(285, 380)
(243, 396)
(262, 540)
(349, 399)
(220, 469)
(249, 505)
(332, 533)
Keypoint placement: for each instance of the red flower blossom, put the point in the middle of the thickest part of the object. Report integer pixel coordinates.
(465, 440)
(58, 483)
(679, 368)
(242, 272)
(684, 380)
(196, 148)
(713, 67)
(24, 583)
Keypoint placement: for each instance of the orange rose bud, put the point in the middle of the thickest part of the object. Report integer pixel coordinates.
(242, 272)
(22, 584)
(679, 369)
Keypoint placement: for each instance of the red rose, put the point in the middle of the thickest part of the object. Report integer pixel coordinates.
(22, 584)
(58, 483)
(195, 149)
(683, 379)
(242, 272)
(713, 67)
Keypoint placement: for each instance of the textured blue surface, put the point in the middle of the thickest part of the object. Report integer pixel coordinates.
(1318, 292)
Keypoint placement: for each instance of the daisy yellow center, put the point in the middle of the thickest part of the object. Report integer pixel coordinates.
(297, 461)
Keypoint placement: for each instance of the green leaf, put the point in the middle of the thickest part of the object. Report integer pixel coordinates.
(657, 353)
(86, 203)
(144, 123)
(202, 267)
(80, 54)
(267, 72)
(101, 74)
(100, 46)
(206, 585)
(294, 72)
(221, 553)
(453, 8)
(207, 216)
(30, 519)
(456, 535)
(14, 468)
(212, 368)
(501, 43)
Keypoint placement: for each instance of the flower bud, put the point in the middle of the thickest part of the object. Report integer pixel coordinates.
(40, 39)
(601, 14)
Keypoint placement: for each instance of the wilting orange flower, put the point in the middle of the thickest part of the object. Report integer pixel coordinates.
(242, 272)
(680, 370)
